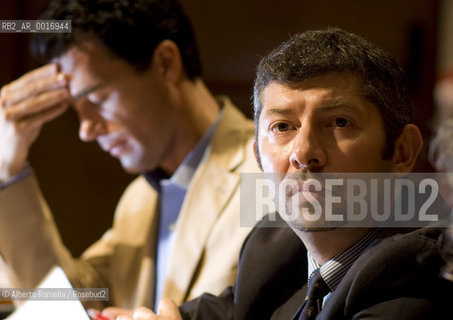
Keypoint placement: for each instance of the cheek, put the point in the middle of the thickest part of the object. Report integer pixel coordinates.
(274, 158)
(136, 139)
(361, 155)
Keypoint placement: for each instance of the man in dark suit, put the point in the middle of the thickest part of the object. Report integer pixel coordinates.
(329, 102)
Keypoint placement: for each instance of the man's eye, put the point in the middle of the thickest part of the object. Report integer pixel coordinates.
(341, 122)
(280, 127)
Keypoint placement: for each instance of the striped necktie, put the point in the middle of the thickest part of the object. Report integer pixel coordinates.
(317, 290)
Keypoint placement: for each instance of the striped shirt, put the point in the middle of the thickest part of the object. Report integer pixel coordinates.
(336, 268)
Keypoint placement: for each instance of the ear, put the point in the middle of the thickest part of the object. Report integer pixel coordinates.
(167, 61)
(407, 149)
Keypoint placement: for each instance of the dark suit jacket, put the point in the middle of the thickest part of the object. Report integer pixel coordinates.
(396, 279)
(272, 266)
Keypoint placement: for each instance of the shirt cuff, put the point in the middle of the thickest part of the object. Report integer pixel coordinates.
(18, 177)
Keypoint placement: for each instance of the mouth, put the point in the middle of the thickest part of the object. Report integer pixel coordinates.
(308, 195)
(116, 148)
(309, 190)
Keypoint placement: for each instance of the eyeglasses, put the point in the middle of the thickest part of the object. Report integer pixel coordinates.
(87, 91)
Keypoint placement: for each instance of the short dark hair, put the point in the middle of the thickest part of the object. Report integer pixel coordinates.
(131, 29)
(315, 53)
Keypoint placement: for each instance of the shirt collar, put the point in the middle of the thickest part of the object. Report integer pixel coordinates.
(335, 269)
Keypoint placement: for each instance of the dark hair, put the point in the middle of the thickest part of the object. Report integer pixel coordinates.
(314, 53)
(131, 29)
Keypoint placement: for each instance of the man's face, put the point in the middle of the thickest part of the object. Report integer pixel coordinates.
(128, 113)
(323, 126)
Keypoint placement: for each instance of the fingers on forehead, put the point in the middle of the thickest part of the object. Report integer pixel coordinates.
(42, 72)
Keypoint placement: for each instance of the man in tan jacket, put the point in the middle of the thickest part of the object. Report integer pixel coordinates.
(131, 71)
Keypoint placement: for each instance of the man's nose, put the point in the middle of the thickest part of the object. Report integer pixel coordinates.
(92, 124)
(307, 151)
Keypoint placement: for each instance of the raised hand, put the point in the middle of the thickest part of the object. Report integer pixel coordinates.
(26, 104)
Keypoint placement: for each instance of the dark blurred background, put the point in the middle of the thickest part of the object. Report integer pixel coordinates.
(82, 184)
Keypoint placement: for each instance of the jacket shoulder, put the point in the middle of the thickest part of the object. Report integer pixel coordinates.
(400, 270)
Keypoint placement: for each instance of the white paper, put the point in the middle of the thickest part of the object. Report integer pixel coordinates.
(51, 310)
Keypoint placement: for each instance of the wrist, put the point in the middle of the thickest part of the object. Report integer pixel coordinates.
(26, 171)
(8, 174)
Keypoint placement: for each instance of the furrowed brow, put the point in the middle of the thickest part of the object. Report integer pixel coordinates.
(337, 105)
(279, 111)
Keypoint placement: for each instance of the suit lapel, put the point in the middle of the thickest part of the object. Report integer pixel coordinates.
(292, 308)
(298, 313)
(211, 187)
(133, 251)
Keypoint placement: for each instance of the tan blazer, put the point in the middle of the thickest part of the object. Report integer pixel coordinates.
(208, 235)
